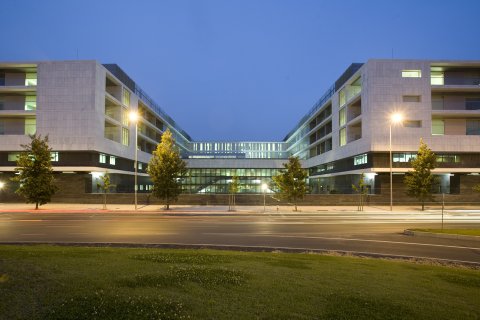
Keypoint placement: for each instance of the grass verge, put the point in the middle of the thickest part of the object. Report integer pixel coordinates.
(464, 232)
(49, 282)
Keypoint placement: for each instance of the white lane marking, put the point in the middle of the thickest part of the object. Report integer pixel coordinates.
(345, 239)
(62, 226)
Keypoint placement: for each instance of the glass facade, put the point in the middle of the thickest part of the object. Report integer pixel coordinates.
(254, 150)
(217, 180)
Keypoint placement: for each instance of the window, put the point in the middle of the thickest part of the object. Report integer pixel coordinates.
(2, 79)
(472, 103)
(330, 166)
(403, 157)
(30, 126)
(125, 138)
(473, 127)
(343, 137)
(13, 156)
(140, 166)
(437, 102)
(125, 117)
(112, 160)
(361, 159)
(412, 123)
(411, 99)
(342, 117)
(126, 97)
(54, 156)
(437, 78)
(342, 97)
(30, 103)
(102, 158)
(411, 74)
(438, 127)
(448, 158)
(31, 79)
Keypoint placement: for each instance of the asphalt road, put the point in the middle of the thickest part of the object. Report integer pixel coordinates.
(377, 233)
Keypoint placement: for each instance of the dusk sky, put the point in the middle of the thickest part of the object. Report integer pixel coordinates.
(238, 70)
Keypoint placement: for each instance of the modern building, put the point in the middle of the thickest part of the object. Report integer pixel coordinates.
(83, 106)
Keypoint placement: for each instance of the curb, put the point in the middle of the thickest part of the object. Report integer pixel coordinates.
(346, 253)
(409, 232)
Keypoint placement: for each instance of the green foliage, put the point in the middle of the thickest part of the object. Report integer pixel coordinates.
(45, 282)
(476, 188)
(362, 189)
(105, 186)
(421, 181)
(166, 168)
(291, 182)
(34, 172)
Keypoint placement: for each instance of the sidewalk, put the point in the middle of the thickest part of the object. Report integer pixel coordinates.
(219, 209)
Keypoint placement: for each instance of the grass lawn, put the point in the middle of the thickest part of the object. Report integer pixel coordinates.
(48, 282)
(465, 232)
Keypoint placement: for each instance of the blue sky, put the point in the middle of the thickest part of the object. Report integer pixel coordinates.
(238, 70)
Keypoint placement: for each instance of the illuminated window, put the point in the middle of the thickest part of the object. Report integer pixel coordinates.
(102, 158)
(13, 157)
(342, 97)
(437, 78)
(361, 159)
(140, 166)
(448, 158)
(112, 160)
(54, 156)
(30, 126)
(31, 79)
(404, 157)
(125, 116)
(411, 74)
(343, 137)
(438, 127)
(342, 117)
(30, 103)
(126, 97)
(125, 138)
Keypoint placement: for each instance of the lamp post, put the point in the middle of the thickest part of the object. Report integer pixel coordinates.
(264, 189)
(394, 119)
(133, 116)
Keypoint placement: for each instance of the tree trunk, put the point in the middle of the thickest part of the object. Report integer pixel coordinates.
(36, 205)
(423, 205)
(295, 208)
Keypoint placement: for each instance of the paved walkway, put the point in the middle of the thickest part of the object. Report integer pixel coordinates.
(118, 208)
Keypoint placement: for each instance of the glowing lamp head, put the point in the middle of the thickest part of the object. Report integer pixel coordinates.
(2, 184)
(264, 187)
(133, 116)
(396, 118)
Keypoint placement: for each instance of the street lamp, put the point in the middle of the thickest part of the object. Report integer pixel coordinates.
(133, 116)
(264, 189)
(394, 119)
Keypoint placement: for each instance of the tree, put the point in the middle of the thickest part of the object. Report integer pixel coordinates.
(34, 172)
(166, 169)
(421, 181)
(105, 186)
(232, 189)
(291, 182)
(362, 189)
(476, 188)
